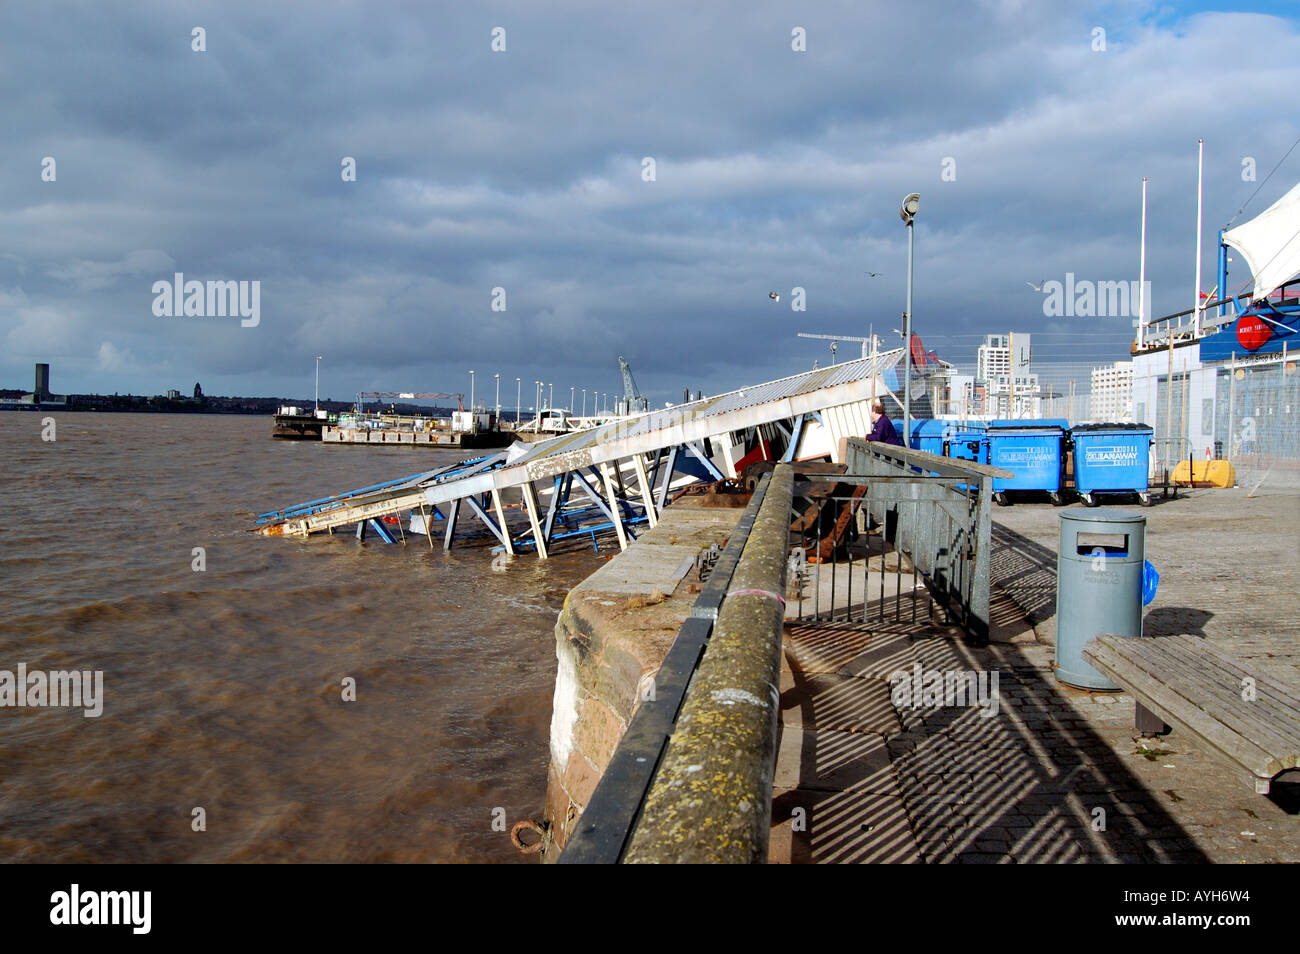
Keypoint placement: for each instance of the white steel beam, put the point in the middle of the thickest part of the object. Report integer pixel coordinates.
(614, 508)
(532, 506)
(643, 482)
(501, 519)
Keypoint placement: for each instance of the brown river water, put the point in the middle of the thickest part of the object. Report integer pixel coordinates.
(222, 689)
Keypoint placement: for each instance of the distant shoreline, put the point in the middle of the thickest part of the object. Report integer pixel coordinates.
(84, 409)
(133, 404)
(256, 406)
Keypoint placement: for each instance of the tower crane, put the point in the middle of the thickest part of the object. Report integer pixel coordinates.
(632, 401)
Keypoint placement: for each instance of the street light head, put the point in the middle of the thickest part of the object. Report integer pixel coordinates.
(909, 207)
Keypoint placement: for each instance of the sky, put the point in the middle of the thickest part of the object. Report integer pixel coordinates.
(504, 217)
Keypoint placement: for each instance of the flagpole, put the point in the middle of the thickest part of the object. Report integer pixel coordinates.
(1196, 306)
(1142, 271)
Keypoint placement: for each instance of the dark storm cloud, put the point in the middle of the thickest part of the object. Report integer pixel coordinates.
(522, 170)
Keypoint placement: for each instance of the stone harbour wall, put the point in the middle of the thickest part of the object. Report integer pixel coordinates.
(611, 637)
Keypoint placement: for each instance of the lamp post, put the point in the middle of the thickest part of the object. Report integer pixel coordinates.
(498, 378)
(471, 392)
(571, 390)
(518, 400)
(318, 357)
(584, 402)
(537, 397)
(907, 212)
(550, 400)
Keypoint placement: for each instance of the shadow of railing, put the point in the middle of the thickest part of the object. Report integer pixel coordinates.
(1026, 571)
(1032, 783)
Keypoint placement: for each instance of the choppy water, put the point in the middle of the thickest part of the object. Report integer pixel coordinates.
(222, 688)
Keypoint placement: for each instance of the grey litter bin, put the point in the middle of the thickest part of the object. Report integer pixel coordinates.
(1098, 587)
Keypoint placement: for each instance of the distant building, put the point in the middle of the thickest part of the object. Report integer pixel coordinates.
(198, 392)
(1112, 393)
(173, 395)
(41, 392)
(1002, 370)
(950, 392)
(960, 397)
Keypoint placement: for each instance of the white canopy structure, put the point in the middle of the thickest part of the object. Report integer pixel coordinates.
(1270, 243)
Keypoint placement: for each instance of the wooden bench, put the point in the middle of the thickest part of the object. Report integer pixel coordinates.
(1183, 681)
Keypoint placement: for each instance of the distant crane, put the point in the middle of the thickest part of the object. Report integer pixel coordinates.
(632, 402)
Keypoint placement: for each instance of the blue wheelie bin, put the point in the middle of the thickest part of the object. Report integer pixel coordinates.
(1111, 459)
(1032, 451)
(1013, 422)
(929, 435)
(968, 442)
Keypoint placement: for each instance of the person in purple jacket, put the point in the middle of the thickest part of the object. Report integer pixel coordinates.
(882, 428)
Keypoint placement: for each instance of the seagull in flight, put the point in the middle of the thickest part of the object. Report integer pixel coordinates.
(774, 296)
(1039, 286)
(874, 274)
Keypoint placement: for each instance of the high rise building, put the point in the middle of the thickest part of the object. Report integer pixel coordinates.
(1112, 393)
(1002, 369)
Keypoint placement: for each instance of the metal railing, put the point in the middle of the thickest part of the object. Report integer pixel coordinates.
(928, 516)
(1167, 453)
(845, 573)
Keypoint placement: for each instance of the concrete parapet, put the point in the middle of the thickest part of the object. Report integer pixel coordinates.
(611, 638)
(712, 797)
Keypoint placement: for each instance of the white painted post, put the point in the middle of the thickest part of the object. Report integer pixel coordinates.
(643, 482)
(1232, 401)
(428, 530)
(501, 519)
(532, 506)
(1196, 306)
(613, 506)
(1011, 366)
(872, 332)
(1142, 271)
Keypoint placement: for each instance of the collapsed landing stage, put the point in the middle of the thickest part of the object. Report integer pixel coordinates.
(615, 476)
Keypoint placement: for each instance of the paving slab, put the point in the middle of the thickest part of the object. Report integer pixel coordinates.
(662, 559)
(833, 761)
(828, 701)
(819, 827)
